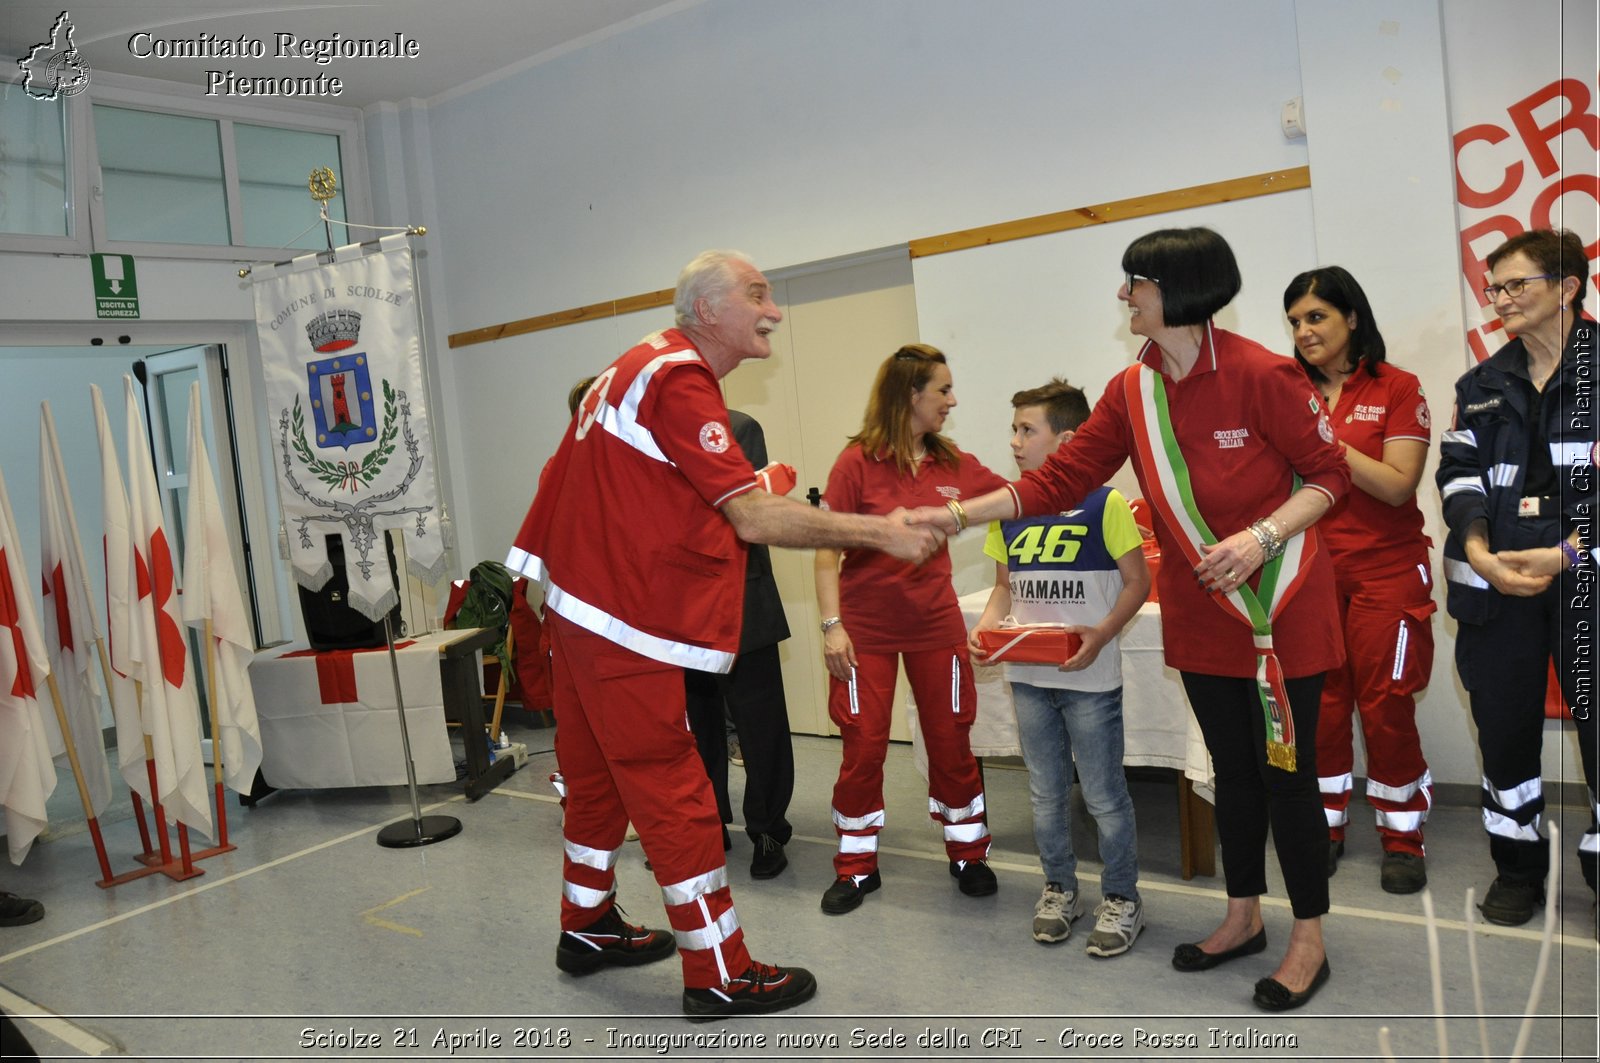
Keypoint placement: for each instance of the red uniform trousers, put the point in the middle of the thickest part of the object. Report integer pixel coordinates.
(947, 703)
(626, 752)
(1388, 657)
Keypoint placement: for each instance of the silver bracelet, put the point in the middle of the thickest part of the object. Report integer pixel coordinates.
(1266, 534)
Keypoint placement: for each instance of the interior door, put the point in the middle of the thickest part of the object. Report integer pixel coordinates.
(840, 323)
(167, 379)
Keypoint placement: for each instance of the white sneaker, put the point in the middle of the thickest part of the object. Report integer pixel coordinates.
(1053, 915)
(1117, 921)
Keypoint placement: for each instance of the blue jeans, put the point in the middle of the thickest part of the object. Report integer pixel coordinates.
(1051, 723)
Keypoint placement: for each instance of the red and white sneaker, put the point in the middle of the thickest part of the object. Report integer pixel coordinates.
(611, 941)
(763, 988)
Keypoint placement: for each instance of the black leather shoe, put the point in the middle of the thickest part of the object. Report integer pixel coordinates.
(1335, 850)
(1191, 957)
(1272, 996)
(1403, 873)
(975, 877)
(846, 893)
(769, 859)
(1511, 903)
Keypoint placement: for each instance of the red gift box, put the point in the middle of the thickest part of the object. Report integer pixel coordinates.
(1029, 644)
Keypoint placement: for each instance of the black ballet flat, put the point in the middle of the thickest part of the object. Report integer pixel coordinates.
(1272, 996)
(1191, 957)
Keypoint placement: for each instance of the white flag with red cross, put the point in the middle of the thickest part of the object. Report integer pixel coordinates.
(122, 594)
(27, 774)
(211, 592)
(157, 652)
(69, 628)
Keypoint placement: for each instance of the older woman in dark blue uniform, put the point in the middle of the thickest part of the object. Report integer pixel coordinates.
(1518, 481)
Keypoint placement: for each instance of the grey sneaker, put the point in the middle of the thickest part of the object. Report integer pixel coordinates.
(1117, 921)
(1053, 915)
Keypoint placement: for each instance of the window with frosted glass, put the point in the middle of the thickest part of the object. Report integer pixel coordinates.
(274, 166)
(161, 177)
(33, 165)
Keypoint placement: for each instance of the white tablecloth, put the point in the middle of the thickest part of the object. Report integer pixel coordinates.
(354, 739)
(1158, 728)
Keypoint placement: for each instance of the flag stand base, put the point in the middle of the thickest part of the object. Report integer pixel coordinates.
(409, 833)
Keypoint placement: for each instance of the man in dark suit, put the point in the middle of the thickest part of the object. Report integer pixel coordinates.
(753, 693)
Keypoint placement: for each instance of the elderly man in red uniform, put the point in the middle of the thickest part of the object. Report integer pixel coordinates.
(637, 534)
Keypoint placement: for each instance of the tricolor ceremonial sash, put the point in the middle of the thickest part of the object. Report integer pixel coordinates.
(1168, 489)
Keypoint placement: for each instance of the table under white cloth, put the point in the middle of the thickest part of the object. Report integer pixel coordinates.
(353, 740)
(1158, 728)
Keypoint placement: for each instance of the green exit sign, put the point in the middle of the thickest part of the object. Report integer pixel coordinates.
(116, 286)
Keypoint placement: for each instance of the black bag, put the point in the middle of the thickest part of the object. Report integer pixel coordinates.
(331, 622)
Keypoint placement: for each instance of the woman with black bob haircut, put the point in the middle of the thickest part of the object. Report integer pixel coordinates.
(1236, 458)
(1194, 268)
(1518, 481)
(1381, 571)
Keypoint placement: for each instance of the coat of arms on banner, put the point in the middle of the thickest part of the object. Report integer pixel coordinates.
(339, 391)
(341, 356)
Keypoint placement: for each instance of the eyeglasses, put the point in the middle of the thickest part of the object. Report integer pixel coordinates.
(1514, 286)
(1135, 278)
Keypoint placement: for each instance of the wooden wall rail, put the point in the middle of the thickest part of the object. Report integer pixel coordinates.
(592, 312)
(1261, 184)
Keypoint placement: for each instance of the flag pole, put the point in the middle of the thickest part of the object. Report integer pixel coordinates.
(420, 830)
(138, 803)
(77, 776)
(222, 845)
(158, 815)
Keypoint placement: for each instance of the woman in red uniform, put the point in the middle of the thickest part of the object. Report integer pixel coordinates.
(1380, 563)
(878, 611)
(1236, 458)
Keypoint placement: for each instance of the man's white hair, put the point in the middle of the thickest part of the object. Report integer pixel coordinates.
(709, 276)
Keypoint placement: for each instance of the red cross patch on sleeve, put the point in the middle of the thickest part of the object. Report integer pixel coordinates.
(714, 437)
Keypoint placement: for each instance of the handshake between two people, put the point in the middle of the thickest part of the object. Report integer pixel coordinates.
(934, 524)
(913, 539)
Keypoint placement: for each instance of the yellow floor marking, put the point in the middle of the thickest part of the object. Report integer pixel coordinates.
(369, 915)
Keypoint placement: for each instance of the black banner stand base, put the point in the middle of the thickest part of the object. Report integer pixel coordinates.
(409, 833)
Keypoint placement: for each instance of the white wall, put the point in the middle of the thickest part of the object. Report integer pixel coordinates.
(801, 132)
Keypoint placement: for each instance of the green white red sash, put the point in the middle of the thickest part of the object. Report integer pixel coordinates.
(1167, 487)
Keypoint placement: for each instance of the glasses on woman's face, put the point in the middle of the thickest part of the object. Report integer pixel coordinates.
(1514, 287)
(1135, 278)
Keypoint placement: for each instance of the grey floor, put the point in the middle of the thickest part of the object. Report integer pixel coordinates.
(310, 938)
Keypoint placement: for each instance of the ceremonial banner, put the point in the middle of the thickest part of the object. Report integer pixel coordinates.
(159, 655)
(69, 626)
(121, 594)
(1525, 113)
(343, 365)
(211, 592)
(27, 775)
